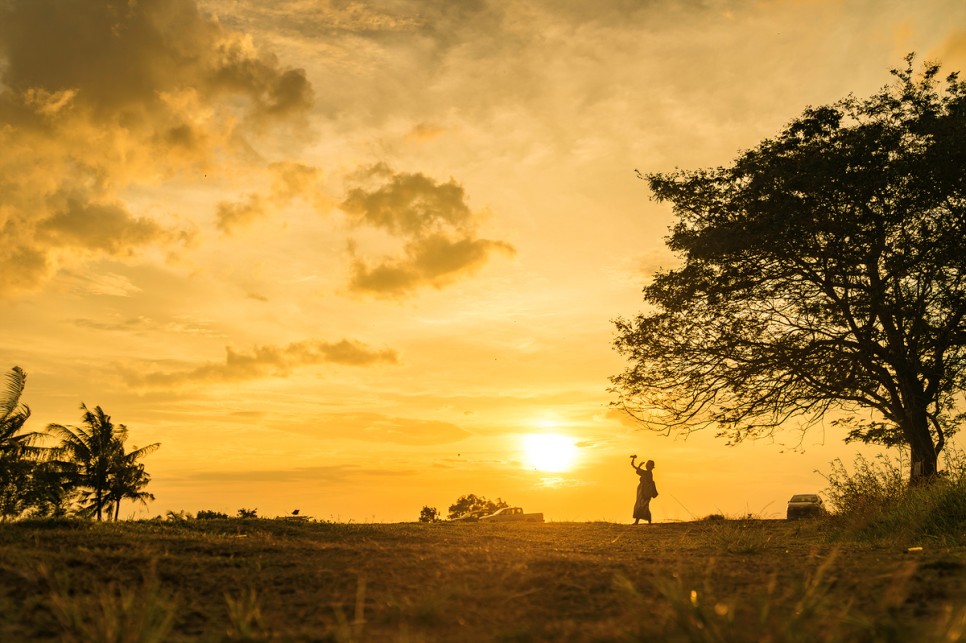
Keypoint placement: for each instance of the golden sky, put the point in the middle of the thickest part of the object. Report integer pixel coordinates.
(350, 256)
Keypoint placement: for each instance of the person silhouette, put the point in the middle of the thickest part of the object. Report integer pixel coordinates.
(646, 490)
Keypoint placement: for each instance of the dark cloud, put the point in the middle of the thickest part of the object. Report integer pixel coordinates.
(407, 204)
(433, 219)
(266, 361)
(435, 261)
(107, 227)
(97, 96)
(119, 58)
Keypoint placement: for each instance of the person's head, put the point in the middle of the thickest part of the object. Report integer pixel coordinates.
(649, 465)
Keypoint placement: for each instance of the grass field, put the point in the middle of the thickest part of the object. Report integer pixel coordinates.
(287, 580)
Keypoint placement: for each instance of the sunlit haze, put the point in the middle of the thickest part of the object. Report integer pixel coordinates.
(549, 452)
(338, 257)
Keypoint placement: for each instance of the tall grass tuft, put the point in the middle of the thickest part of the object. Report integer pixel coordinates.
(114, 614)
(244, 615)
(738, 537)
(810, 611)
(874, 501)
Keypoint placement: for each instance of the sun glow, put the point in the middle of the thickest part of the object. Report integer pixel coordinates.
(549, 452)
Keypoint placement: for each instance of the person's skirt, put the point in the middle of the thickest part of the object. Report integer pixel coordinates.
(642, 508)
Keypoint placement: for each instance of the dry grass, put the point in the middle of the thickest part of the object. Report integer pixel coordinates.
(282, 580)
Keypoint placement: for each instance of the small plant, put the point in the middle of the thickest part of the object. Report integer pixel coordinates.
(248, 513)
(177, 516)
(244, 615)
(738, 537)
(346, 632)
(143, 614)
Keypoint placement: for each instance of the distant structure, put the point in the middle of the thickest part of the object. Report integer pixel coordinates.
(295, 513)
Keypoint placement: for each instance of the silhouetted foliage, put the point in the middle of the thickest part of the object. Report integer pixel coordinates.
(429, 514)
(248, 513)
(474, 506)
(30, 484)
(96, 463)
(824, 270)
(207, 514)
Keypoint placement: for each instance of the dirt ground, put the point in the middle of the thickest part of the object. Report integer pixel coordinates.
(303, 581)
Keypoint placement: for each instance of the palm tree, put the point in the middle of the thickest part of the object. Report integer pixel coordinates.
(19, 457)
(129, 478)
(13, 414)
(95, 453)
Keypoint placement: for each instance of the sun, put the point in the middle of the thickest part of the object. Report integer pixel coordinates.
(549, 452)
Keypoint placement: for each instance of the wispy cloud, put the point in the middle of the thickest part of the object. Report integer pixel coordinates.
(266, 361)
(376, 427)
(289, 181)
(330, 475)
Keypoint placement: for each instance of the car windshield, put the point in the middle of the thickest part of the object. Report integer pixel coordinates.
(804, 498)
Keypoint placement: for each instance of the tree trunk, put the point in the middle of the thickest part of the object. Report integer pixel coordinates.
(924, 460)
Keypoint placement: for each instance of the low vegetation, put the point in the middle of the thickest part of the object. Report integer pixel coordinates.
(279, 579)
(873, 501)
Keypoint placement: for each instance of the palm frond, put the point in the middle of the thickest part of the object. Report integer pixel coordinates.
(10, 397)
(137, 454)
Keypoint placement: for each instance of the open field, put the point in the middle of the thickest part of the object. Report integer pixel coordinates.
(303, 581)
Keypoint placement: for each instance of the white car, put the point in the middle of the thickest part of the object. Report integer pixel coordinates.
(511, 514)
(802, 505)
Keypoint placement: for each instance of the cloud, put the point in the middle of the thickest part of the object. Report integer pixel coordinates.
(433, 218)
(375, 427)
(335, 475)
(100, 96)
(289, 181)
(232, 215)
(105, 227)
(266, 361)
(110, 284)
(424, 132)
(117, 59)
(435, 261)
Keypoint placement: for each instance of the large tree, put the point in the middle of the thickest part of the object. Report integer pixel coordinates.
(821, 275)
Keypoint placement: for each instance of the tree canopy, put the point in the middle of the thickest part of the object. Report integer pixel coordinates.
(474, 506)
(823, 271)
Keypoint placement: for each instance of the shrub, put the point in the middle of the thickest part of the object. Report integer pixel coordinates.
(871, 486)
(429, 514)
(208, 514)
(875, 501)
